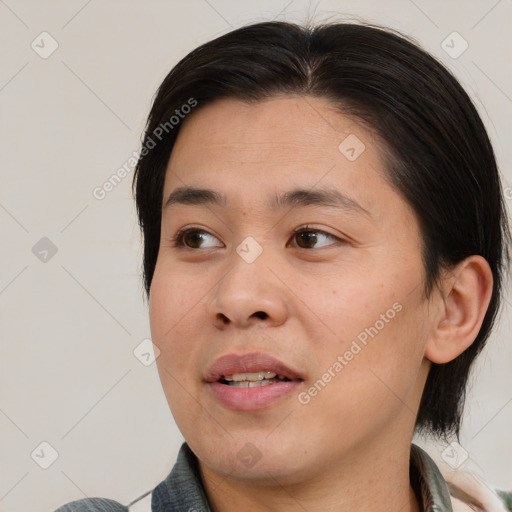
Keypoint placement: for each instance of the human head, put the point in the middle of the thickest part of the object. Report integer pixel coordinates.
(437, 154)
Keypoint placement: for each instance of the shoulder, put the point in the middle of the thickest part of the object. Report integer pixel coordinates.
(469, 491)
(93, 505)
(141, 504)
(460, 506)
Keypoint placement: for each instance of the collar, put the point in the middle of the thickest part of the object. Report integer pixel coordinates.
(428, 482)
(183, 490)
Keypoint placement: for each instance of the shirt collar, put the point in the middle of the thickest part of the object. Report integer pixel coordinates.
(428, 482)
(183, 490)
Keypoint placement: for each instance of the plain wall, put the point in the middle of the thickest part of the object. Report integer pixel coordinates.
(69, 325)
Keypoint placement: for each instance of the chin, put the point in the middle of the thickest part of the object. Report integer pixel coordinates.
(255, 457)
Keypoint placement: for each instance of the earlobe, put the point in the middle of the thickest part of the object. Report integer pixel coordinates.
(466, 293)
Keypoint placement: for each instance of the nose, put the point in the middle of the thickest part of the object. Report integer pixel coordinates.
(248, 294)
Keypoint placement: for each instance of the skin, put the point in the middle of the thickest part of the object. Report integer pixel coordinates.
(348, 448)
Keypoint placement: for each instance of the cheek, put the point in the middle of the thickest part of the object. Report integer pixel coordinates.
(346, 306)
(174, 302)
(374, 329)
(379, 356)
(363, 388)
(177, 315)
(172, 318)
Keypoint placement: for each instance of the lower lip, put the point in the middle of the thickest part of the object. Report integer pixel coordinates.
(250, 399)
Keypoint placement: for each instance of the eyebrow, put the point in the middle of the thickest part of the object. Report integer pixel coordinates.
(292, 199)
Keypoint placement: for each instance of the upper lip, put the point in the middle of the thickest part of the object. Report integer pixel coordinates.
(249, 363)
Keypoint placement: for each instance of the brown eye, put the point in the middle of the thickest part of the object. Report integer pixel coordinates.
(307, 238)
(192, 238)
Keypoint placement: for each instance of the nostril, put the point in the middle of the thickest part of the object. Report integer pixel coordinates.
(224, 318)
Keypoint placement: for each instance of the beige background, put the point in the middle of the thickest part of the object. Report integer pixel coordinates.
(70, 325)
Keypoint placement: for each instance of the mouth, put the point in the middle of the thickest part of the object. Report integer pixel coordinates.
(251, 381)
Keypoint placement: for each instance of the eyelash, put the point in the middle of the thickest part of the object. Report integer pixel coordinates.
(177, 240)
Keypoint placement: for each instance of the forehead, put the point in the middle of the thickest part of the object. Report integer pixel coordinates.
(294, 127)
(279, 139)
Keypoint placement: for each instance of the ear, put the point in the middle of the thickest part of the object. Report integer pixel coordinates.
(465, 293)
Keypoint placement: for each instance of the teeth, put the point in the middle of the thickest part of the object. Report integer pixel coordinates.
(252, 377)
(249, 384)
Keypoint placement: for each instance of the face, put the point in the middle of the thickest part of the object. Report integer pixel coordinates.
(291, 331)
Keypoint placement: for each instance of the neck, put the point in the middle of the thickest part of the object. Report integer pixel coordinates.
(371, 479)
